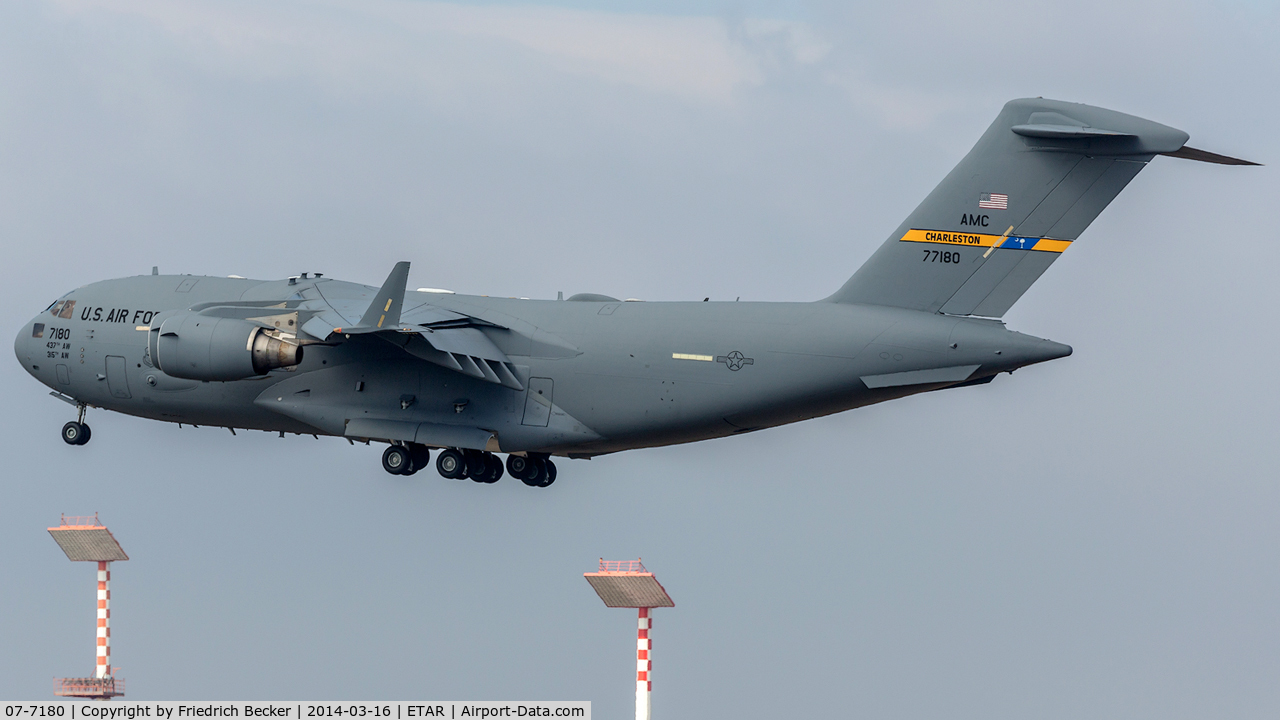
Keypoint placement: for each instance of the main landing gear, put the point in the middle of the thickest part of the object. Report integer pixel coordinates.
(532, 471)
(481, 467)
(405, 459)
(76, 432)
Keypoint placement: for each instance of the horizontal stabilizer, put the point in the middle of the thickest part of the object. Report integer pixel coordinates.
(1064, 131)
(1190, 153)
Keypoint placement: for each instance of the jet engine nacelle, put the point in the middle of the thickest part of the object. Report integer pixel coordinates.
(199, 347)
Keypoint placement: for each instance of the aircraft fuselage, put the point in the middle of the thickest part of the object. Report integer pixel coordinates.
(618, 375)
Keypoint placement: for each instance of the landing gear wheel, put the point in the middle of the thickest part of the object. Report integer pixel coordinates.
(477, 466)
(523, 469)
(550, 473)
(396, 460)
(536, 474)
(451, 464)
(495, 468)
(421, 456)
(74, 433)
(88, 433)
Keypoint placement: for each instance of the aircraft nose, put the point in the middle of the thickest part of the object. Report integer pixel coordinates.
(22, 346)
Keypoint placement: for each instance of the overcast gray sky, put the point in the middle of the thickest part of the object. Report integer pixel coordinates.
(1095, 537)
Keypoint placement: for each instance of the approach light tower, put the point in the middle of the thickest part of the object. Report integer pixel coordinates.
(625, 583)
(86, 539)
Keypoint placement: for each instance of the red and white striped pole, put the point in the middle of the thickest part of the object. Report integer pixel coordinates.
(644, 665)
(628, 584)
(104, 620)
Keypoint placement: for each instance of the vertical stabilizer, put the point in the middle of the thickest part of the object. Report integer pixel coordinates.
(1036, 179)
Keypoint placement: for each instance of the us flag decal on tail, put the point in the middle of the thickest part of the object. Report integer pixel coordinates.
(993, 201)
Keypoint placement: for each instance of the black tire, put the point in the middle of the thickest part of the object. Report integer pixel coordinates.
(421, 456)
(537, 473)
(495, 469)
(477, 466)
(73, 433)
(88, 433)
(451, 464)
(396, 460)
(550, 476)
(521, 468)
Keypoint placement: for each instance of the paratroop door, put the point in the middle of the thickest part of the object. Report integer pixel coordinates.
(537, 403)
(117, 377)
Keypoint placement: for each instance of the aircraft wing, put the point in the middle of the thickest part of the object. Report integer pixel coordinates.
(449, 339)
(463, 349)
(444, 337)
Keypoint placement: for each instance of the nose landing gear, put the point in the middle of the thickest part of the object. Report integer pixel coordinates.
(76, 432)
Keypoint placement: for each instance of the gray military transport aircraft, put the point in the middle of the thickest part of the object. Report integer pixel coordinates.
(473, 376)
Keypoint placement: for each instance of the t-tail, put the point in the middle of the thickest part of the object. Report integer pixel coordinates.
(1036, 179)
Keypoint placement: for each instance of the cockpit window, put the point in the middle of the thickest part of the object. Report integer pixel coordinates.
(59, 305)
(37, 330)
(62, 309)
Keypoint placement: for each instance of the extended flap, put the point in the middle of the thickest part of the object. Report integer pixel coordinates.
(464, 341)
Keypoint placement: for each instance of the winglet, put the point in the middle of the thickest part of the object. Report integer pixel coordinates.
(385, 308)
